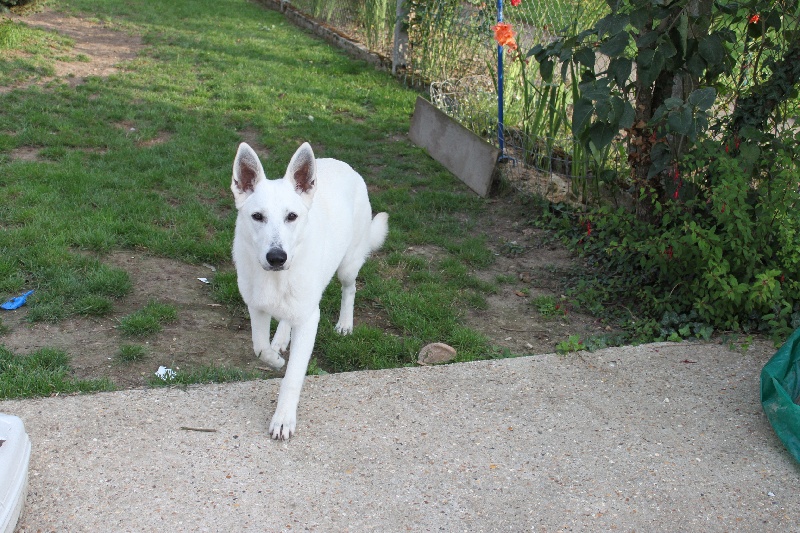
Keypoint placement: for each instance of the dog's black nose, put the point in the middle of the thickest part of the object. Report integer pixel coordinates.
(276, 257)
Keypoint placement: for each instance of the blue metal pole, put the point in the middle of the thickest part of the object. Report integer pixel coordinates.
(500, 127)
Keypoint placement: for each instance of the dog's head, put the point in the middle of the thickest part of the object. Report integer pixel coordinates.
(273, 213)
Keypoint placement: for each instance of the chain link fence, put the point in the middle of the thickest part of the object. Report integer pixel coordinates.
(448, 47)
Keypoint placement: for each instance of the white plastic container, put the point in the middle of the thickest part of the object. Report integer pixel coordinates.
(15, 453)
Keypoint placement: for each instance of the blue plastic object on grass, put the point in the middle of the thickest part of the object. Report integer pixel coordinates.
(16, 302)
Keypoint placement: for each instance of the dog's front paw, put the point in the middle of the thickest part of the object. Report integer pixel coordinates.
(344, 329)
(283, 425)
(272, 358)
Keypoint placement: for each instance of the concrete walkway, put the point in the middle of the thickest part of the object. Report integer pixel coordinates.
(661, 437)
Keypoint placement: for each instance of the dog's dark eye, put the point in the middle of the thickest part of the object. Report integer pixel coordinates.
(291, 217)
(258, 217)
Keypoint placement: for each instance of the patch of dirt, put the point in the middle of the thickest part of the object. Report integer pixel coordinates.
(99, 50)
(205, 333)
(131, 131)
(25, 153)
(537, 266)
(253, 137)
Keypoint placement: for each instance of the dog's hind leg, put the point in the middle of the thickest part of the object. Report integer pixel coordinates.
(259, 323)
(284, 421)
(280, 341)
(347, 273)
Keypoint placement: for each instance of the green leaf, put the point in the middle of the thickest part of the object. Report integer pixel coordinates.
(628, 115)
(673, 103)
(678, 36)
(711, 50)
(581, 115)
(649, 71)
(546, 70)
(703, 98)
(596, 90)
(696, 65)
(729, 8)
(646, 40)
(535, 51)
(616, 45)
(660, 158)
(612, 24)
(749, 152)
(773, 20)
(601, 134)
(680, 121)
(585, 56)
(640, 18)
(666, 48)
(619, 68)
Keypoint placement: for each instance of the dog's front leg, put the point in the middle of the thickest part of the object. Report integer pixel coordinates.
(259, 323)
(280, 341)
(284, 421)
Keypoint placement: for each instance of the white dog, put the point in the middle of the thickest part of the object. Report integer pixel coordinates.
(292, 235)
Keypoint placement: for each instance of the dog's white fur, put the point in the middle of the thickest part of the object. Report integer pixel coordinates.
(292, 235)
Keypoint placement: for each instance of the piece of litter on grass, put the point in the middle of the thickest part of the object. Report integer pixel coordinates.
(16, 302)
(212, 268)
(165, 373)
(204, 280)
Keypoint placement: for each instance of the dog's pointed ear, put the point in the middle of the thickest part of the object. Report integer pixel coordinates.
(302, 172)
(247, 173)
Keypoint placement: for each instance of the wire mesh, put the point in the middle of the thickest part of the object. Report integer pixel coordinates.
(370, 22)
(449, 47)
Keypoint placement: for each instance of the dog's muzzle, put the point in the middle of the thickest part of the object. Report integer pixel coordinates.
(276, 258)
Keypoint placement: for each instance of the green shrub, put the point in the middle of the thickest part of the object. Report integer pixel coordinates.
(15, 3)
(727, 258)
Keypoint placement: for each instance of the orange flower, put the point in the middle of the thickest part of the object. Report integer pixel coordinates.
(515, 3)
(504, 35)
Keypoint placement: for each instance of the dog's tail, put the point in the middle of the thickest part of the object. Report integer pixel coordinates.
(378, 230)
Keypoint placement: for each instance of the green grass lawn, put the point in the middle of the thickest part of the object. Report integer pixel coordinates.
(142, 161)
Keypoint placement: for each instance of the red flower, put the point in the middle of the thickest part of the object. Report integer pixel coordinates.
(504, 35)
(515, 3)
(754, 18)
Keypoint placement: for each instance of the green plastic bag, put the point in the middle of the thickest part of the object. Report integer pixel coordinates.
(780, 390)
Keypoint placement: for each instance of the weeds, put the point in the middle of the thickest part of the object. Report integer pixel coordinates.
(205, 374)
(42, 373)
(149, 320)
(548, 306)
(572, 344)
(131, 353)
